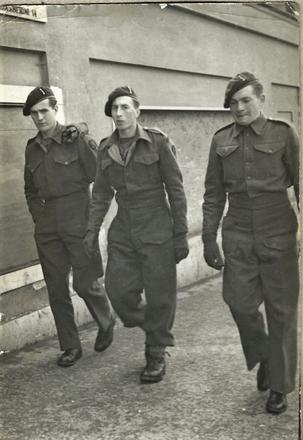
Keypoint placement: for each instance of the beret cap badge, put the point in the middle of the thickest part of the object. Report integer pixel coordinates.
(36, 95)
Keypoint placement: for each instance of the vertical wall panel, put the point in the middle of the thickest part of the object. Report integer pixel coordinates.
(191, 132)
(16, 229)
(19, 67)
(285, 102)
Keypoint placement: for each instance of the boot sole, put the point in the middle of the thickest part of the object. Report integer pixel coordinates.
(155, 379)
(276, 411)
(69, 364)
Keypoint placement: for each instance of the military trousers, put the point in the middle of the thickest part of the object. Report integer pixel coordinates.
(59, 238)
(261, 267)
(136, 266)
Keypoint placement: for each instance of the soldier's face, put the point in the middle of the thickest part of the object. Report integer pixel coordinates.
(44, 116)
(245, 105)
(124, 113)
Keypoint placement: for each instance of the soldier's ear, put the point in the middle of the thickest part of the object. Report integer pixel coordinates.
(262, 98)
(138, 112)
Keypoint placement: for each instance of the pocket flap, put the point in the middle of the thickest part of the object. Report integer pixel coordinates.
(66, 157)
(281, 242)
(226, 150)
(269, 147)
(147, 158)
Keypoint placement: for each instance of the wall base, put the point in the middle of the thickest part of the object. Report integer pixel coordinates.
(35, 325)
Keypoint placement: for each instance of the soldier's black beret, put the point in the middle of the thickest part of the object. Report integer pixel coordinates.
(237, 83)
(36, 95)
(119, 91)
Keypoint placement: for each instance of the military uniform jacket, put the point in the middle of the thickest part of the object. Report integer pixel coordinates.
(55, 168)
(142, 184)
(260, 158)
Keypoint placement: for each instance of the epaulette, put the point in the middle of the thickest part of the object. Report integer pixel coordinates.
(31, 140)
(282, 121)
(158, 131)
(225, 126)
(102, 143)
(155, 130)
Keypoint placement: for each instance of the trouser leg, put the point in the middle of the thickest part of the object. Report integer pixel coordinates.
(86, 281)
(159, 277)
(150, 267)
(123, 282)
(254, 339)
(271, 258)
(56, 267)
(242, 291)
(280, 277)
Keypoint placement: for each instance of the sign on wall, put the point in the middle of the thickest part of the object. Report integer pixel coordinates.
(36, 13)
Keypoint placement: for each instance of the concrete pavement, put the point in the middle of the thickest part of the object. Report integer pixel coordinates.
(207, 393)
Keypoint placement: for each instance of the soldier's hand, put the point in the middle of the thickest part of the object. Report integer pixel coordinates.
(73, 131)
(181, 248)
(212, 255)
(91, 244)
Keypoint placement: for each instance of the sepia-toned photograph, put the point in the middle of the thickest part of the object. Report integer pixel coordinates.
(150, 221)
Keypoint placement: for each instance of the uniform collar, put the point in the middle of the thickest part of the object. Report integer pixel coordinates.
(141, 133)
(56, 136)
(257, 126)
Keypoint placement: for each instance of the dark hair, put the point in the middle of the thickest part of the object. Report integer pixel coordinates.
(52, 101)
(258, 88)
(136, 102)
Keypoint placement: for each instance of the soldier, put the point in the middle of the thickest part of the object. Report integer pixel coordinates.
(57, 176)
(148, 235)
(252, 162)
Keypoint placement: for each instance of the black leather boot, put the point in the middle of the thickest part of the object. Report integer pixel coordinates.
(155, 364)
(276, 403)
(69, 357)
(105, 338)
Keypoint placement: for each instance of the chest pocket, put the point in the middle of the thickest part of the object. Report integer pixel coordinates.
(146, 159)
(67, 167)
(226, 150)
(146, 167)
(66, 155)
(268, 158)
(113, 172)
(269, 147)
(231, 161)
